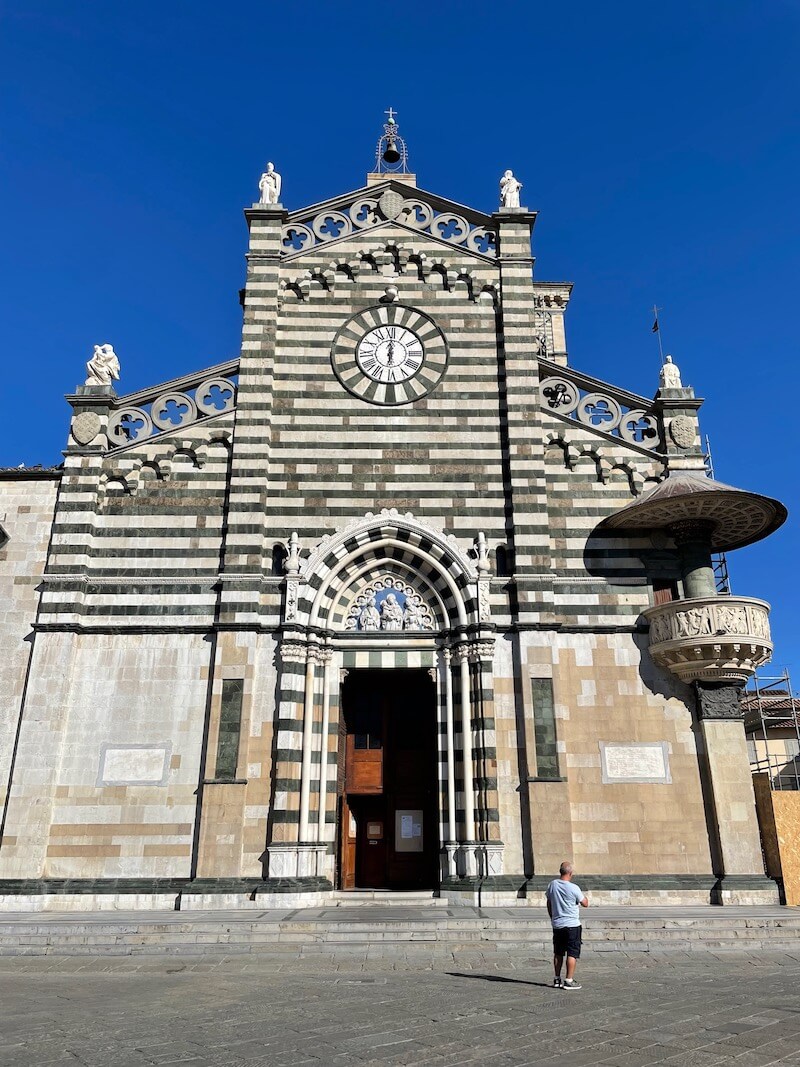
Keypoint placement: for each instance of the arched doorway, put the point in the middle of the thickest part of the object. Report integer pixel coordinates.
(386, 627)
(388, 803)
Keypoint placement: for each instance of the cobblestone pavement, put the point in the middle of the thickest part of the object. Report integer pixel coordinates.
(401, 1005)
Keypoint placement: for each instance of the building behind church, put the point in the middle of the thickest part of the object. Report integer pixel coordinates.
(398, 599)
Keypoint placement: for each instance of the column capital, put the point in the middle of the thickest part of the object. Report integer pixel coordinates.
(719, 701)
(481, 650)
(293, 652)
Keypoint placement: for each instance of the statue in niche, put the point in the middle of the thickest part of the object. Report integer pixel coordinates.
(509, 190)
(270, 185)
(670, 377)
(103, 366)
(391, 614)
(413, 618)
(370, 618)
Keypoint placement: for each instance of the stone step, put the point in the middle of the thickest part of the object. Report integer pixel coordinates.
(353, 898)
(416, 927)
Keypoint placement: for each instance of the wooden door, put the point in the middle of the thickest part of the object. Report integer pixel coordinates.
(371, 843)
(348, 836)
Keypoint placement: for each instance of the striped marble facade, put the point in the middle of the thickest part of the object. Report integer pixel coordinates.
(231, 550)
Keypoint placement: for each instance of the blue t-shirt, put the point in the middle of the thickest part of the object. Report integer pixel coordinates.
(564, 898)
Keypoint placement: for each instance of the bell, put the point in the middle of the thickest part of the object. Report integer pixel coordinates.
(391, 155)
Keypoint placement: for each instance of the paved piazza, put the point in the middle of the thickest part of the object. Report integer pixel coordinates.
(407, 1005)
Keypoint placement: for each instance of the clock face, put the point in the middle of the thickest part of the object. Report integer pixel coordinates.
(390, 354)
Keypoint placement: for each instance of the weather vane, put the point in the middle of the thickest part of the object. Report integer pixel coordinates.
(391, 155)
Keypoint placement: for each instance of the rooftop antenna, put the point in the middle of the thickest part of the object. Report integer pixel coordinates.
(391, 155)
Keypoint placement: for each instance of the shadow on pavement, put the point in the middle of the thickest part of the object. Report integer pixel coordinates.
(498, 978)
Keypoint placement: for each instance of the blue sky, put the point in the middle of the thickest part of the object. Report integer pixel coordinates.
(659, 142)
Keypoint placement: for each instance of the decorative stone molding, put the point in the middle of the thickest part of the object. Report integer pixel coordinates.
(169, 410)
(292, 594)
(484, 599)
(86, 426)
(293, 652)
(308, 231)
(387, 516)
(719, 701)
(683, 431)
(610, 411)
(481, 650)
(712, 639)
(462, 652)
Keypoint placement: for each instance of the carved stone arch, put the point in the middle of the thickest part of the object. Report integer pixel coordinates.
(181, 449)
(116, 484)
(466, 279)
(344, 270)
(150, 472)
(400, 253)
(389, 256)
(292, 289)
(489, 294)
(623, 472)
(367, 263)
(219, 441)
(320, 277)
(399, 544)
(415, 265)
(588, 455)
(558, 450)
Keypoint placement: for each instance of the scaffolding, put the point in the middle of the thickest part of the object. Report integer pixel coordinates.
(772, 726)
(719, 561)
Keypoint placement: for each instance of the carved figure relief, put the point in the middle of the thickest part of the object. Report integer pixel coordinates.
(391, 614)
(369, 617)
(390, 605)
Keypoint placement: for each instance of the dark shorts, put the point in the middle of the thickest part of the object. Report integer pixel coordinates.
(567, 942)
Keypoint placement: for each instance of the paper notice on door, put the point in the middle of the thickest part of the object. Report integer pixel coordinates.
(408, 830)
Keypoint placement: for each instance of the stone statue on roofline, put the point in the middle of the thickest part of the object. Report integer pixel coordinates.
(103, 367)
(509, 190)
(670, 377)
(270, 185)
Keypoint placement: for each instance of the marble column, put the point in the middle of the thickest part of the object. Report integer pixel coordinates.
(462, 653)
(326, 656)
(451, 845)
(308, 734)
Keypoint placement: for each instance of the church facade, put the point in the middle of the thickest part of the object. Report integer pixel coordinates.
(398, 600)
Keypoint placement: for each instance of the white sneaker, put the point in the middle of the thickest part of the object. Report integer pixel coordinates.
(570, 983)
(557, 982)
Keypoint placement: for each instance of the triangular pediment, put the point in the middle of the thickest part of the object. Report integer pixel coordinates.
(384, 204)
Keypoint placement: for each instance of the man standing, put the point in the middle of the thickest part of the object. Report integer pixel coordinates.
(564, 899)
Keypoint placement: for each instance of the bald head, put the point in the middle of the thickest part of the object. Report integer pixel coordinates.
(565, 870)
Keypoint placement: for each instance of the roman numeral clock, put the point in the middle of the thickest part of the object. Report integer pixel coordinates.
(389, 354)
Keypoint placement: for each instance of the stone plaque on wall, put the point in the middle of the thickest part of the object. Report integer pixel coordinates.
(133, 765)
(646, 761)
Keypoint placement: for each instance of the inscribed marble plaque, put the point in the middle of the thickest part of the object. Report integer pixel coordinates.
(133, 765)
(644, 762)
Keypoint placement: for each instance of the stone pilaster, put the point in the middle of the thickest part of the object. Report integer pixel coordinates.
(528, 534)
(243, 561)
(736, 844)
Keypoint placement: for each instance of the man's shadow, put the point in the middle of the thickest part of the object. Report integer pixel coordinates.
(497, 978)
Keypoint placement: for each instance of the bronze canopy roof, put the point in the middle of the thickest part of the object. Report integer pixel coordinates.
(737, 518)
